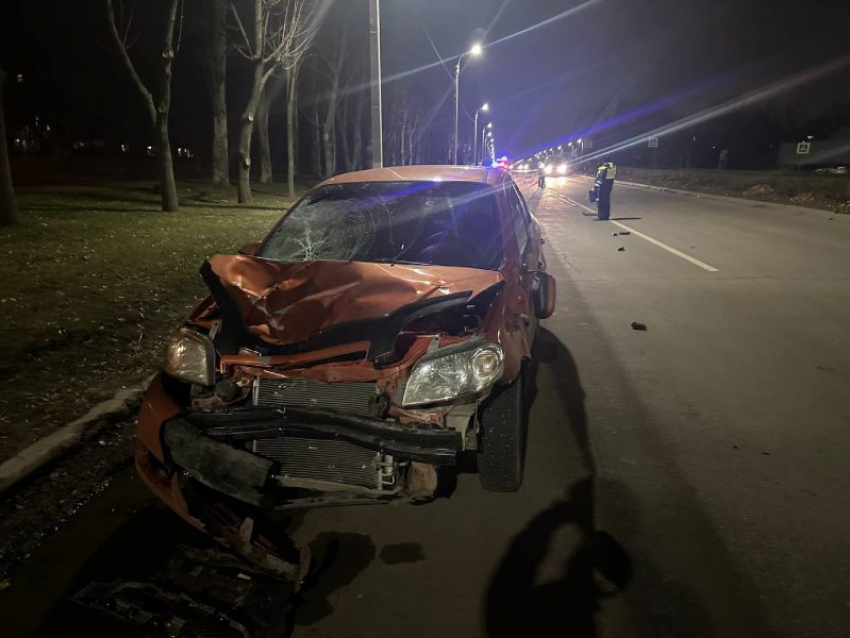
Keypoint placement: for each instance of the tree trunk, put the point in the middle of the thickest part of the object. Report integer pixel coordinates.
(166, 163)
(165, 160)
(158, 109)
(342, 135)
(291, 94)
(402, 141)
(329, 138)
(262, 139)
(167, 185)
(330, 113)
(357, 151)
(218, 75)
(316, 154)
(243, 185)
(8, 203)
(412, 135)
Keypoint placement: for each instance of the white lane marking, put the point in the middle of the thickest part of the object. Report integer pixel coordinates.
(652, 240)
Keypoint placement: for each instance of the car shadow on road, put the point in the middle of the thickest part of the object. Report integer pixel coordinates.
(599, 567)
(549, 351)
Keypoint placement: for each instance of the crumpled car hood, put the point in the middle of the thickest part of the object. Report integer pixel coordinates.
(287, 303)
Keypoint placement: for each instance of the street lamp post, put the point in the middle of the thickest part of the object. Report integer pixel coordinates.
(484, 107)
(484, 138)
(474, 51)
(375, 69)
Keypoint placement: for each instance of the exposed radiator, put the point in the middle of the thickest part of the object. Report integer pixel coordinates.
(351, 398)
(328, 460)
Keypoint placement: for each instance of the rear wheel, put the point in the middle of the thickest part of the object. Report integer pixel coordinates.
(500, 461)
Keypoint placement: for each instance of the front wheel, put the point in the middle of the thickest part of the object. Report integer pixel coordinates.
(500, 461)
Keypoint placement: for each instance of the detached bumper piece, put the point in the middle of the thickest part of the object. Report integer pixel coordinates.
(250, 454)
(428, 445)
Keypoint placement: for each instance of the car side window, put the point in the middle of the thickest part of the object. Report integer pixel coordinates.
(520, 219)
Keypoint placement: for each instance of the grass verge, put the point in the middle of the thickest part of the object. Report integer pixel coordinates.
(92, 284)
(828, 192)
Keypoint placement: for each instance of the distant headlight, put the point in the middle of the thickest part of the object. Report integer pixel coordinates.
(454, 372)
(191, 358)
(562, 169)
(547, 169)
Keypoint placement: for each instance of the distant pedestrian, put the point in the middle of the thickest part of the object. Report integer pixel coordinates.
(541, 175)
(605, 176)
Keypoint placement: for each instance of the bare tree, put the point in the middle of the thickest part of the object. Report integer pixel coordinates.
(353, 153)
(303, 26)
(8, 203)
(216, 62)
(291, 125)
(312, 113)
(403, 123)
(280, 33)
(335, 64)
(158, 106)
(261, 138)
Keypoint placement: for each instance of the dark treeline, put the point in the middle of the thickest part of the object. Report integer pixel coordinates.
(243, 91)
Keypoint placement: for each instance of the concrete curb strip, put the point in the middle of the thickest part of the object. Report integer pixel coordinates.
(51, 447)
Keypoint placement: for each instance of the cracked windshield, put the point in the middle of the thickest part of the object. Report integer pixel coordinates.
(387, 222)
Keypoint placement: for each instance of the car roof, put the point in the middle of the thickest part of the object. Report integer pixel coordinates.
(434, 173)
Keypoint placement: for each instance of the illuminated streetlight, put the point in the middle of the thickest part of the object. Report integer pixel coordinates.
(475, 51)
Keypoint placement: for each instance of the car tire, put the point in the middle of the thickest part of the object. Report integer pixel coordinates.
(501, 459)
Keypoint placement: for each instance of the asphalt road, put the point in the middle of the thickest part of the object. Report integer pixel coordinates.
(688, 480)
(712, 448)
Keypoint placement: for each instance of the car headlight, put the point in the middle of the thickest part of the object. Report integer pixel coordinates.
(191, 358)
(547, 169)
(562, 169)
(454, 372)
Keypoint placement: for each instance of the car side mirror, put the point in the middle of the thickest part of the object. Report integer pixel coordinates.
(545, 295)
(250, 249)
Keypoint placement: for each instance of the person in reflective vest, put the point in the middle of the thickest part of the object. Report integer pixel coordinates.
(605, 176)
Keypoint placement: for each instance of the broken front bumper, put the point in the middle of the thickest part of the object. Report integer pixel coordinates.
(287, 458)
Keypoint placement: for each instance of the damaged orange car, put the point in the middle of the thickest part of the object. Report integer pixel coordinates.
(378, 333)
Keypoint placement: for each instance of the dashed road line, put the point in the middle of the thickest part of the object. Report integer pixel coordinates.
(651, 240)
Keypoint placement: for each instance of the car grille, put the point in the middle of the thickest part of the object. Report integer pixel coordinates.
(351, 398)
(325, 460)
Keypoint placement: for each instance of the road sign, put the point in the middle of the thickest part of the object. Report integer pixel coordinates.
(804, 148)
(653, 142)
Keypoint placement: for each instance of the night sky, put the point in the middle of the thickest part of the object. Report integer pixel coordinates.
(618, 54)
(545, 76)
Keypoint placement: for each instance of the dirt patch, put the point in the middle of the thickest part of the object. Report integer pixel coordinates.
(760, 190)
(37, 510)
